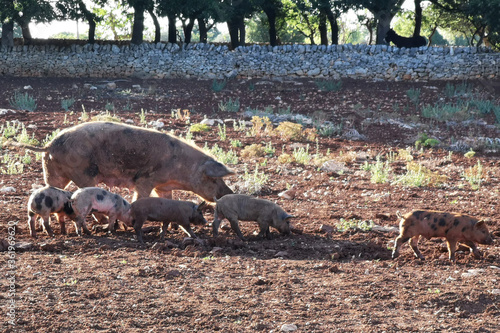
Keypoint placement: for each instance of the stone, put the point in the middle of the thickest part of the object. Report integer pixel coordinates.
(288, 328)
(7, 189)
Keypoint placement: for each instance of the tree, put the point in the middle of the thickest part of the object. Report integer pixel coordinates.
(273, 10)
(115, 19)
(23, 12)
(77, 10)
(234, 14)
(139, 6)
(383, 11)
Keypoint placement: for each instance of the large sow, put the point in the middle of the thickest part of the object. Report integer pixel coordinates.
(128, 156)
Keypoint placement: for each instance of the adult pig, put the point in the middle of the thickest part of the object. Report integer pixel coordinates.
(454, 227)
(128, 156)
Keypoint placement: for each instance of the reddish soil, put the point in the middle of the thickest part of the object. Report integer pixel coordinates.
(318, 278)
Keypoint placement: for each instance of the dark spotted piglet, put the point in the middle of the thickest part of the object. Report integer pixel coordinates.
(97, 200)
(454, 227)
(45, 201)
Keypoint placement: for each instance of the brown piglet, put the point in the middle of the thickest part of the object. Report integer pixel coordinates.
(166, 210)
(454, 227)
(236, 207)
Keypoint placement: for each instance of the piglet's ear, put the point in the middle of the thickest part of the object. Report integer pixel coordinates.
(215, 169)
(480, 224)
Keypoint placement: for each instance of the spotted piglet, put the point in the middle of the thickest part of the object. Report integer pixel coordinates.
(49, 200)
(97, 200)
(454, 227)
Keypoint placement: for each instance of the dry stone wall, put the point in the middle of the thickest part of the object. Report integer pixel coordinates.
(208, 61)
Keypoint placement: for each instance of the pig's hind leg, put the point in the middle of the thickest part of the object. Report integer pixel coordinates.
(32, 223)
(46, 225)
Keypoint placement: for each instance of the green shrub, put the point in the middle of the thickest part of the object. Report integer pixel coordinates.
(23, 102)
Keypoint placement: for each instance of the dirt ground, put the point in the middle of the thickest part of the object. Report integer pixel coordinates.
(332, 274)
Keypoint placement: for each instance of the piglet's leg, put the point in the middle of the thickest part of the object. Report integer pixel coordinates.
(46, 225)
(61, 219)
(473, 249)
(452, 246)
(216, 224)
(185, 226)
(112, 223)
(399, 240)
(235, 226)
(31, 224)
(414, 247)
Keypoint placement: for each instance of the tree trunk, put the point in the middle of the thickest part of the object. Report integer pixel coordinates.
(90, 17)
(138, 25)
(271, 19)
(8, 34)
(202, 26)
(323, 31)
(418, 18)
(172, 30)
(157, 26)
(188, 30)
(241, 28)
(26, 31)
(334, 26)
(233, 28)
(384, 19)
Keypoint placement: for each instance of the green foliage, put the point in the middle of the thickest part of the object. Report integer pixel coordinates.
(355, 224)
(230, 105)
(425, 141)
(197, 128)
(329, 85)
(414, 95)
(463, 89)
(23, 102)
(474, 175)
(236, 143)
(222, 132)
(458, 111)
(301, 155)
(107, 116)
(253, 150)
(380, 171)
(417, 175)
(142, 117)
(218, 85)
(228, 157)
(24, 137)
(9, 129)
(67, 103)
(50, 137)
(253, 182)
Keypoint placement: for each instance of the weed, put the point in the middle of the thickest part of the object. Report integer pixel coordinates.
(285, 158)
(380, 171)
(107, 116)
(230, 105)
(463, 89)
(236, 143)
(253, 182)
(425, 141)
(474, 175)
(344, 225)
(24, 137)
(218, 85)
(330, 130)
(302, 155)
(110, 106)
(9, 129)
(417, 175)
(282, 111)
(14, 167)
(26, 159)
(142, 117)
(405, 154)
(290, 131)
(261, 126)
(67, 103)
(414, 95)
(240, 126)
(251, 86)
(50, 137)
(327, 85)
(23, 102)
(470, 154)
(197, 128)
(254, 150)
(444, 112)
(366, 166)
(85, 117)
(222, 132)
(269, 149)
(228, 157)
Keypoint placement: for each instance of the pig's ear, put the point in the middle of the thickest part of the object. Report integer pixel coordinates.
(200, 206)
(480, 224)
(216, 170)
(286, 216)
